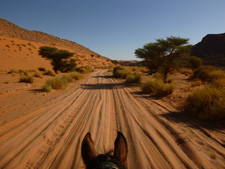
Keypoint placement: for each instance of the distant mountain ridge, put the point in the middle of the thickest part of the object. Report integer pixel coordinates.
(211, 49)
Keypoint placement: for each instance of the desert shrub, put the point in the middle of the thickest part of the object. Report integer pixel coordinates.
(76, 75)
(41, 69)
(115, 71)
(133, 78)
(57, 83)
(194, 62)
(47, 88)
(13, 70)
(158, 75)
(27, 78)
(218, 83)
(210, 75)
(157, 87)
(68, 78)
(204, 73)
(50, 72)
(120, 72)
(84, 70)
(206, 103)
(37, 73)
(196, 82)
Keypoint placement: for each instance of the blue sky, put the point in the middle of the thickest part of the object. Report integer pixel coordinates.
(116, 28)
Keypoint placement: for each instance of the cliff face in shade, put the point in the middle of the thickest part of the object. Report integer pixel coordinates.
(211, 49)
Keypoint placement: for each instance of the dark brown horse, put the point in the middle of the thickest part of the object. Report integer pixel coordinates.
(112, 160)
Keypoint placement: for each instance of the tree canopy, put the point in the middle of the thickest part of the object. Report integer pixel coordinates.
(163, 53)
(59, 58)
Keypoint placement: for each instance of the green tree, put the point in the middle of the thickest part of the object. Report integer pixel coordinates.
(194, 62)
(60, 59)
(163, 53)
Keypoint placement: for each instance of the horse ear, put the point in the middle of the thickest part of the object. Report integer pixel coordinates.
(88, 149)
(120, 150)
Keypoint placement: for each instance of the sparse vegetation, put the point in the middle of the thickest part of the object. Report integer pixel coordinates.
(57, 83)
(194, 62)
(37, 73)
(133, 78)
(157, 87)
(61, 82)
(47, 88)
(50, 72)
(27, 78)
(206, 103)
(209, 74)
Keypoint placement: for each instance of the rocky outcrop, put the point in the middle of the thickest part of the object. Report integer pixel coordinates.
(211, 49)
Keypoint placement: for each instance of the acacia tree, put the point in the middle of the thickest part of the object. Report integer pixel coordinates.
(60, 59)
(163, 53)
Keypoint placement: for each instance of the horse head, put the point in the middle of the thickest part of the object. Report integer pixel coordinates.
(112, 160)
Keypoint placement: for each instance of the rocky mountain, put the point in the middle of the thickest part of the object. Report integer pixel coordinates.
(211, 49)
(83, 55)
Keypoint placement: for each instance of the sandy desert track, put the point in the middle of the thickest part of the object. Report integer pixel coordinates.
(50, 136)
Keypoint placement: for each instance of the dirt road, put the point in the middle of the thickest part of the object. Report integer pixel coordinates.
(50, 136)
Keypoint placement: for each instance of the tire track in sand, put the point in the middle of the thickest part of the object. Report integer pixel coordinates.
(51, 136)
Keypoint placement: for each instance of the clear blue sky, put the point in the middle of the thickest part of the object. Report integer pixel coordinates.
(115, 28)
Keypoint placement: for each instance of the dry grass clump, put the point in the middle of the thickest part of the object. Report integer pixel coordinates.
(13, 70)
(207, 73)
(196, 82)
(61, 82)
(133, 78)
(120, 72)
(57, 83)
(206, 103)
(84, 70)
(37, 73)
(50, 72)
(47, 88)
(157, 87)
(70, 77)
(132, 75)
(27, 78)
(76, 75)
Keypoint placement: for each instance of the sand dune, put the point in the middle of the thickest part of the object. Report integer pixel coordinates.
(48, 131)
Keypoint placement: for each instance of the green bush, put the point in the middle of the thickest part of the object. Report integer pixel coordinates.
(207, 103)
(194, 62)
(115, 71)
(133, 78)
(27, 78)
(157, 87)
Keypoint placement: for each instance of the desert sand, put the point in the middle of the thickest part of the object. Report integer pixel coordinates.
(17, 53)
(39, 130)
